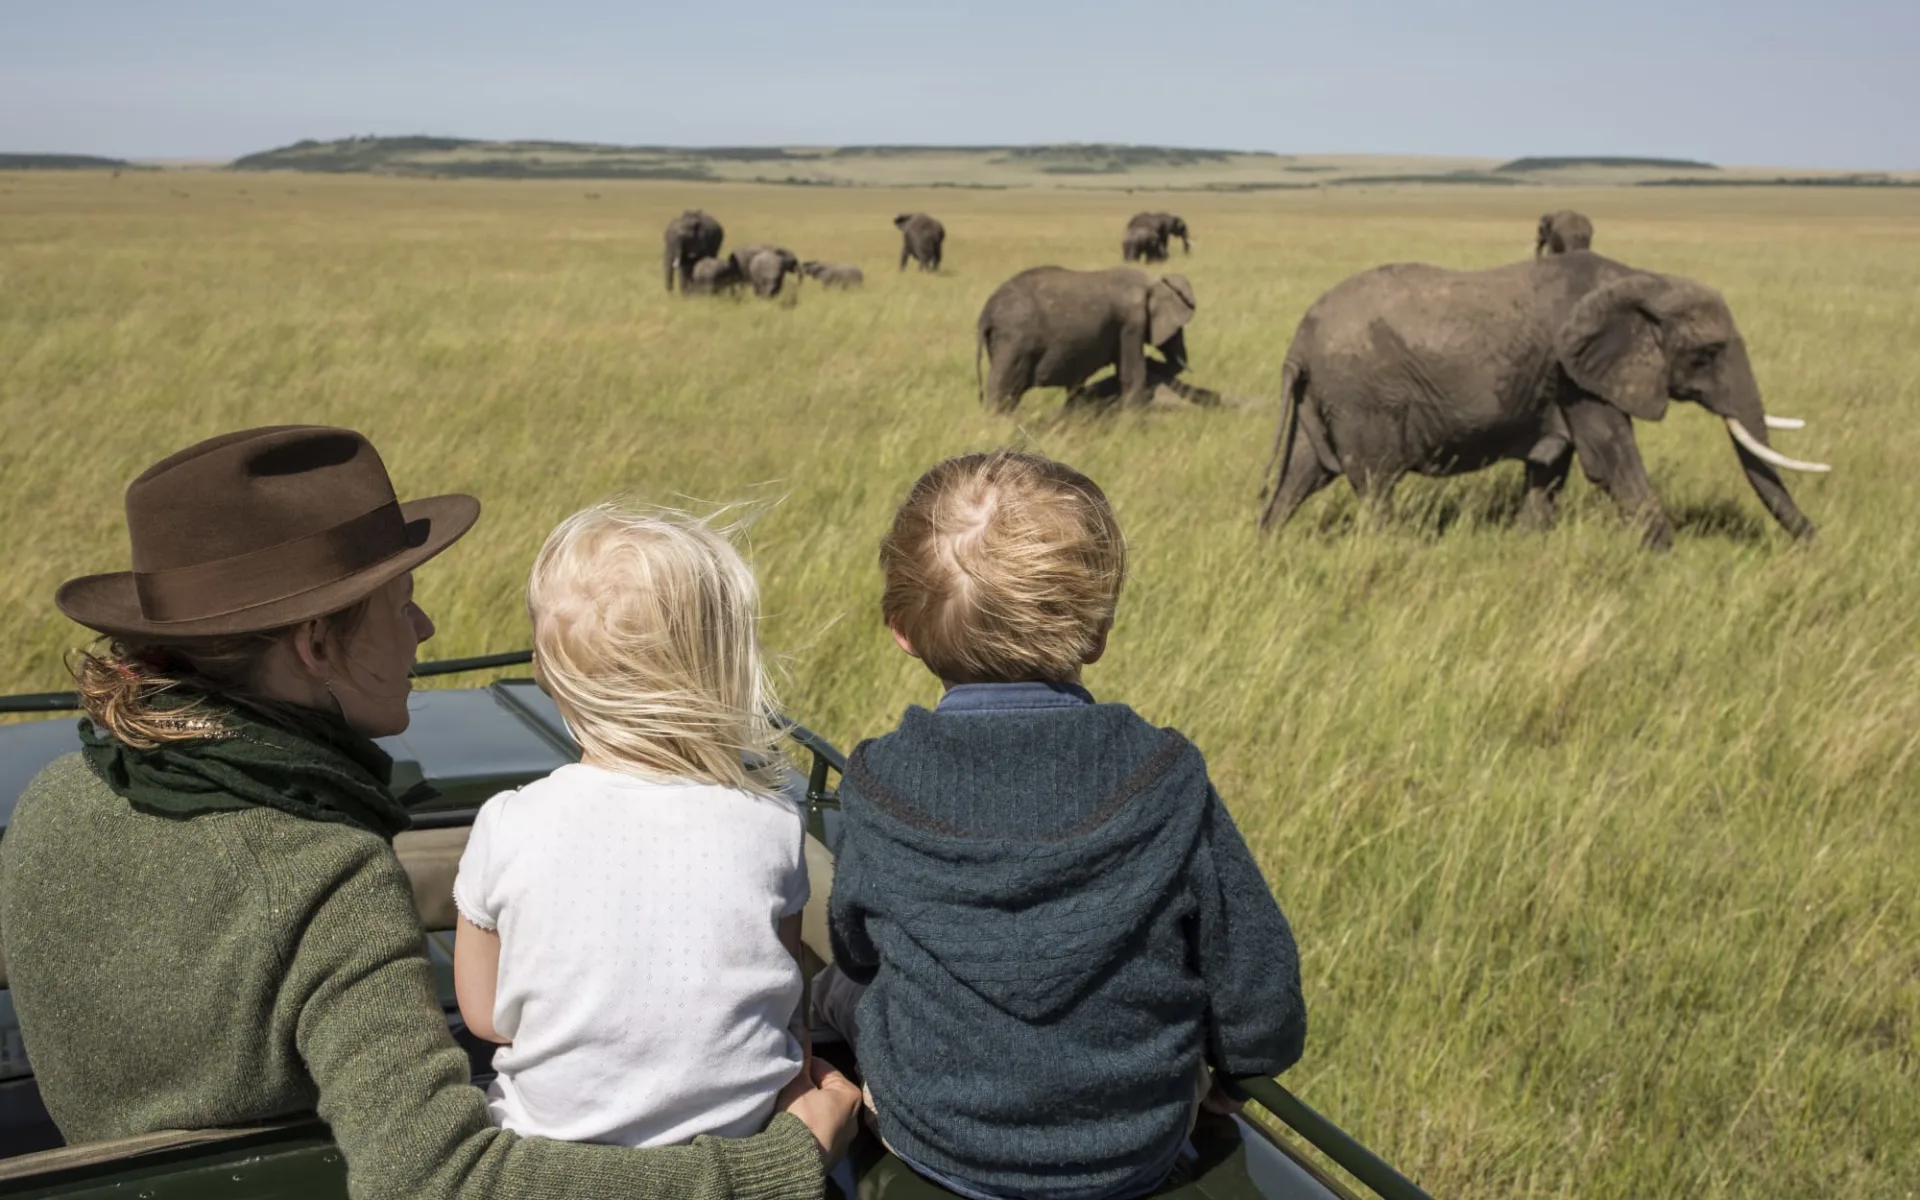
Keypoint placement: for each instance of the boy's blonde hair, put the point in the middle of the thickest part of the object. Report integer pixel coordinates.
(644, 635)
(1003, 567)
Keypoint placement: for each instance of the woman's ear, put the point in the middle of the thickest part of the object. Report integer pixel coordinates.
(312, 649)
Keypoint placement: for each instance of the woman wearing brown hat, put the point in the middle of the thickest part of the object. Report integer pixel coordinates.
(205, 921)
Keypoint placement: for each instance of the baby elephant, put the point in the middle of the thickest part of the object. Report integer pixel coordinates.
(766, 267)
(710, 276)
(1562, 232)
(1052, 327)
(834, 275)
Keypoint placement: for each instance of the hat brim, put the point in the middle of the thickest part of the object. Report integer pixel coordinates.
(110, 604)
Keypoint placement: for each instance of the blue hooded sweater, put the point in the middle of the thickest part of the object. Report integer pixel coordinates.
(1058, 922)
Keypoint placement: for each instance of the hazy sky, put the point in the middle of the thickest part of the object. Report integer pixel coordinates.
(1832, 83)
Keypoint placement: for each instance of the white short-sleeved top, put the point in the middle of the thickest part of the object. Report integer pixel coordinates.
(642, 980)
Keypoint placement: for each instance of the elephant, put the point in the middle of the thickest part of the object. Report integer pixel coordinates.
(711, 276)
(1163, 225)
(834, 275)
(921, 239)
(1052, 327)
(690, 237)
(766, 267)
(1563, 231)
(1143, 244)
(1416, 368)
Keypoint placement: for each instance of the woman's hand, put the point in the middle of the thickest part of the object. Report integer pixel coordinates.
(825, 1101)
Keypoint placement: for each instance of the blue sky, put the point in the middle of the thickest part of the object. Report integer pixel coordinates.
(1766, 82)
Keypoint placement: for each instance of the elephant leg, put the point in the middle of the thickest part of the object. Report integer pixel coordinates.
(1603, 438)
(1544, 483)
(905, 254)
(1009, 375)
(1302, 475)
(1374, 489)
(1548, 465)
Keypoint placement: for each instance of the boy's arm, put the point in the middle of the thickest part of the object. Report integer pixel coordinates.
(853, 949)
(476, 975)
(1246, 955)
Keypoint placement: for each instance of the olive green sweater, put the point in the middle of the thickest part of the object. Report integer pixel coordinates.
(233, 967)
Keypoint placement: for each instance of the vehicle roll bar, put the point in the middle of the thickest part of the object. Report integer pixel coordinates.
(1326, 1137)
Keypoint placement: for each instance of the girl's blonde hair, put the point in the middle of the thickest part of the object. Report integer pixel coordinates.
(644, 634)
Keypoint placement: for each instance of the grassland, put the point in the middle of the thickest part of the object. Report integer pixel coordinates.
(1602, 863)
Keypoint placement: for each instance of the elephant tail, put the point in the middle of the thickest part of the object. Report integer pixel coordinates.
(1293, 384)
(979, 345)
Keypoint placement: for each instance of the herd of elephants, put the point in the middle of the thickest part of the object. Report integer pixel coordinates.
(1402, 368)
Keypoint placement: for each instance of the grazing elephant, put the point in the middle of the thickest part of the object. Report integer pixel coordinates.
(1163, 225)
(1563, 231)
(921, 239)
(834, 275)
(1051, 327)
(1415, 368)
(690, 237)
(711, 276)
(766, 267)
(1143, 244)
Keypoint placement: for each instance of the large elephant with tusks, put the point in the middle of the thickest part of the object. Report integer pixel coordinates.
(1413, 368)
(690, 237)
(1052, 327)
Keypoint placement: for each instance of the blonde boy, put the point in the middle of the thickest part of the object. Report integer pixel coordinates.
(1038, 889)
(630, 924)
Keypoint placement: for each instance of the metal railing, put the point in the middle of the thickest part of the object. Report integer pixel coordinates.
(1329, 1139)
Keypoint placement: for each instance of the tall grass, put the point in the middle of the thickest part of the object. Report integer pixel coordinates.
(1602, 863)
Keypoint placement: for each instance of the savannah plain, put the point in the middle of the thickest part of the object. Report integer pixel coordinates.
(1602, 863)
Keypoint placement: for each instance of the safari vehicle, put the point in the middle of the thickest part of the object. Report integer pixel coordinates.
(465, 745)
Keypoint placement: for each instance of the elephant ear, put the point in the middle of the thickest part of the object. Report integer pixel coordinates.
(1169, 307)
(1612, 345)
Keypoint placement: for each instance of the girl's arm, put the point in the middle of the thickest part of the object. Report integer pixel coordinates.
(476, 974)
(396, 1091)
(789, 928)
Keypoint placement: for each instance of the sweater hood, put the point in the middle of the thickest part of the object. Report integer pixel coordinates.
(1027, 908)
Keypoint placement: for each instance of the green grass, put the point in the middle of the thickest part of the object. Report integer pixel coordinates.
(1601, 862)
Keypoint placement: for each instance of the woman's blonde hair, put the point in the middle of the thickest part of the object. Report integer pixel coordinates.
(645, 635)
(147, 693)
(1003, 567)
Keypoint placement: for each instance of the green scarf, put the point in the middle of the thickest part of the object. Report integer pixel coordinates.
(324, 772)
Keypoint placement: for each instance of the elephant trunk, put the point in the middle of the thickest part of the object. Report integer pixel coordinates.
(1739, 406)
(1175, 350)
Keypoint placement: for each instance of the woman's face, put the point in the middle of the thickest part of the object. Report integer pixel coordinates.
(371, 678)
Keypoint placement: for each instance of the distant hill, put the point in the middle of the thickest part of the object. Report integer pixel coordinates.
(1086, 165)
(1523, 165)
(61, 162)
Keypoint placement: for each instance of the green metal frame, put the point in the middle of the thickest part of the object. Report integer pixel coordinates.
(1326, 1137)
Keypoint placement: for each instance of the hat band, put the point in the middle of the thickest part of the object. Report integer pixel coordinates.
(228, 585)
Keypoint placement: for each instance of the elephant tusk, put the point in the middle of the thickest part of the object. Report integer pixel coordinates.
(1785, 423)
(1768, 454)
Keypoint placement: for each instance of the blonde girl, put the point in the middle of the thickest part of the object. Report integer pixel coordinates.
(629, 927)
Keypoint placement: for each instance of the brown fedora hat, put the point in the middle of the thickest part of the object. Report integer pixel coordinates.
(260, 529)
